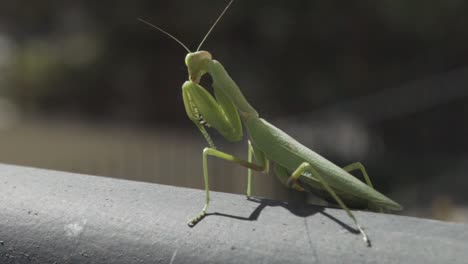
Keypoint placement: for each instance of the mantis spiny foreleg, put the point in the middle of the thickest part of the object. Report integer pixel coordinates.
(205, 110)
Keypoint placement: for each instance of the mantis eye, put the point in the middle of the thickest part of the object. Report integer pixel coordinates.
(195, 58)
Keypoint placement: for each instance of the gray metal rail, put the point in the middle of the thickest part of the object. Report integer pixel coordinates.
(57, 217)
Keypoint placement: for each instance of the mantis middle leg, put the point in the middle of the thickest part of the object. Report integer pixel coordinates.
(222, 155)
(306, 167)
(261, 160)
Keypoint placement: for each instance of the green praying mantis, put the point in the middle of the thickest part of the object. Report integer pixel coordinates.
(295, 165)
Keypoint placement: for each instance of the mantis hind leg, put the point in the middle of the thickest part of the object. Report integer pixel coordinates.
(358, 166)
(306, 167)
(216, 153)
(283, 175)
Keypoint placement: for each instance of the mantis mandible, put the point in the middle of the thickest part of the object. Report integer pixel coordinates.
(295, 165)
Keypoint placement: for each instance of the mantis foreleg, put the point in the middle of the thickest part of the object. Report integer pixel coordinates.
(205, 110)
(222, 155)
(306, 167)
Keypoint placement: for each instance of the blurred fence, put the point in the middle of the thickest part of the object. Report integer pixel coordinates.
(165, 156)
(174, 157)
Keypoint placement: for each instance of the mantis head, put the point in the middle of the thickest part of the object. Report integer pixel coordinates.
(197, 63)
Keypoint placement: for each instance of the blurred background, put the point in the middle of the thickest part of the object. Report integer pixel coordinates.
(85, 87)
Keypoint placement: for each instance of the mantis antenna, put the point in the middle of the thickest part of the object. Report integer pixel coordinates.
(180, 42)
(214, 24)
(167, 33)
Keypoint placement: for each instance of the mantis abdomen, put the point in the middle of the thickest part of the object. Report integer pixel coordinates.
(281, 148)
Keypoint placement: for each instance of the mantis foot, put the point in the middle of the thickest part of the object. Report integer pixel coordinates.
(197, 219)
(364, 236)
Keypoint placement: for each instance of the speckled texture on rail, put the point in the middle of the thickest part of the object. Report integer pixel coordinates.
(57, 217)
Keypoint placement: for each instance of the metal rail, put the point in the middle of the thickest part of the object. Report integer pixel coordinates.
(58, 217)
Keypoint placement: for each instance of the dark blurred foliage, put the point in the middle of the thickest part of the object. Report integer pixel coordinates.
(93, 60)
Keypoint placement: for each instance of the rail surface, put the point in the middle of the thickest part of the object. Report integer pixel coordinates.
(58, 217)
